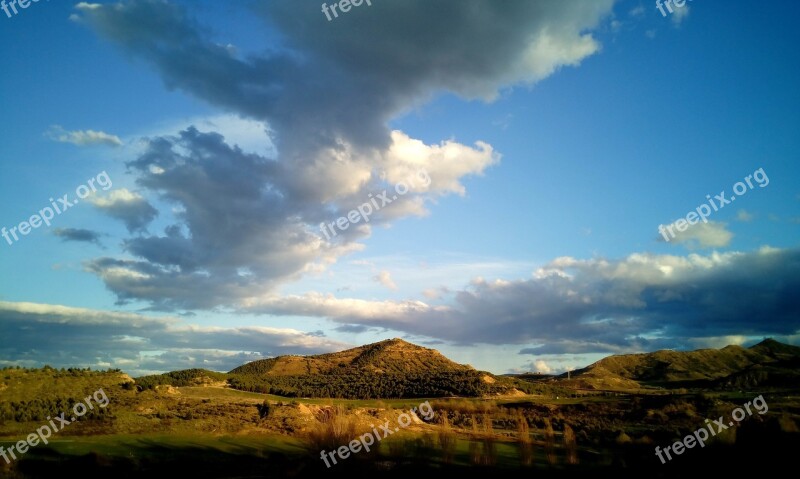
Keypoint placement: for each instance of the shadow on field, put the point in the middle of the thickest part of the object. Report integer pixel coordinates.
(153, 460)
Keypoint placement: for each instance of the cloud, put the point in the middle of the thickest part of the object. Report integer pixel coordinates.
(641, 302)
(701, 235)
(435, 293)
(679, 14)
(138, 344)
(637, 11)
(82, 137)
(243, 210)
(385, 278)
(128, 207)
(344, 83)
(327, 96)
(239, 228)
(540, 366)
(744, 216)
(74, 234)
(353, 328)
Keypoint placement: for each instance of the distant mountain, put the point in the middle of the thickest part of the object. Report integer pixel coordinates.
(769, 363)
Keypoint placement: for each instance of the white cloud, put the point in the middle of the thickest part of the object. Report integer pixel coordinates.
(82, 137)
(636, 11)
(679, 14)
(540, 366)
(385, 278)
(744, 216)
(703, 235)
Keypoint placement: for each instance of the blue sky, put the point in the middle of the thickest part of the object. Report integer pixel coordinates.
(557, 137)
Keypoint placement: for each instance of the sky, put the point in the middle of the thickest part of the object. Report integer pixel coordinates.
(523, 185)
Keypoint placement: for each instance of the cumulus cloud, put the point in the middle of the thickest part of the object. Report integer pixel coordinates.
(248, 222)
(540, 366)
(82, 137)
(138, 344)
(641, 302)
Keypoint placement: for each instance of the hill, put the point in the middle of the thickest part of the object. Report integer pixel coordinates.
(767, 363)
(389, 356)
(388, 369)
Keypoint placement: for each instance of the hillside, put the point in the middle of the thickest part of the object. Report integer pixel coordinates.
(731, 366)
(185, 377)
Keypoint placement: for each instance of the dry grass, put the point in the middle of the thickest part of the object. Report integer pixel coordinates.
(524, 439)
(570, 444)
(334, 428)
(447, 440)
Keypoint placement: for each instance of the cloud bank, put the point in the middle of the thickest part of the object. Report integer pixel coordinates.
(642, 302)
(34, 334)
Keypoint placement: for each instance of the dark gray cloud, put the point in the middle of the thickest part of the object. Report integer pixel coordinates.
(354, 328)
(642, 302)
(37, 334)
(345, 79)
(237, 233)
(77, 234)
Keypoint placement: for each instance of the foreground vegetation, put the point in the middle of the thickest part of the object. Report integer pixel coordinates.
(208, 430)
